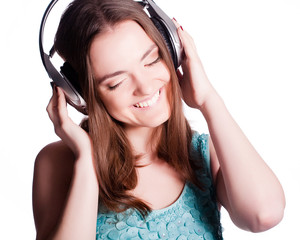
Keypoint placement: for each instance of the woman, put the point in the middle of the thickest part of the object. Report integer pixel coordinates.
(138, 171)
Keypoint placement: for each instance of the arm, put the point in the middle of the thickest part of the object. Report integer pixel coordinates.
(65, 187)
(245, 185)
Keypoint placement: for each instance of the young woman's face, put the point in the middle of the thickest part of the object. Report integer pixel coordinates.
(131, 78)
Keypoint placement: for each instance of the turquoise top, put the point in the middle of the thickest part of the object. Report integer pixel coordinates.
(194, 215)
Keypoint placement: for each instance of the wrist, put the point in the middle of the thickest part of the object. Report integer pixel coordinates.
(84, 160)
(83, 150)
(212, 106)
(84, 173)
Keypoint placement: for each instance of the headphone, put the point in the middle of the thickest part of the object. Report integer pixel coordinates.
(63, 78)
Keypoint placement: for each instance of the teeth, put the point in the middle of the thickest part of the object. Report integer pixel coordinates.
(149, 102)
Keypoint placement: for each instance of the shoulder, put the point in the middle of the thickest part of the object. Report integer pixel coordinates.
(53, 172)
(55, 158)
(54, 150)
(55, 155)
(54, 162)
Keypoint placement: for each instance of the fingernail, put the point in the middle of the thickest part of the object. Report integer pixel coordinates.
(174, 19)
(181, 28)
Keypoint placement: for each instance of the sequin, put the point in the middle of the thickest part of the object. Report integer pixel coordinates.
(161, 226)
(163, 234)
(121, 225)
(151, 226)
(104, 228)
(110, 221)
(195, 213)
(199, 230)
(208, 236)
(132, 221)
(132, 232)
(184, 230)
(153, 235)
(193, 237)
(113, 234)
(120, 216)
(124, 236)
(182, 237)
(141, 224)
(143, 233)
(171, 227)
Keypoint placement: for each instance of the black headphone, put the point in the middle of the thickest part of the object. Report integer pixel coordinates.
(63, 78)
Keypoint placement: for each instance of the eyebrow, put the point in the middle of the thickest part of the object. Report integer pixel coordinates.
(110, 75)
(152, 47)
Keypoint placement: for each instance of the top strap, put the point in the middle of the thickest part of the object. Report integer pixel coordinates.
(200, 149)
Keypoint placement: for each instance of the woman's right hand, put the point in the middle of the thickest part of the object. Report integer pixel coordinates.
(70, 133)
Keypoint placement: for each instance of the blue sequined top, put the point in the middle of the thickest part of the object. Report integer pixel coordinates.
(194, 215)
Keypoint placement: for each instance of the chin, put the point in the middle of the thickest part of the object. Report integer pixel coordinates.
(152, 122)
(156, 122)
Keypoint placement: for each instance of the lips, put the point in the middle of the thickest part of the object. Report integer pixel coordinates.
(148, 102)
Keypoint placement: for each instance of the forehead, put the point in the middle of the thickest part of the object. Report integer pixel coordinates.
(118, 45)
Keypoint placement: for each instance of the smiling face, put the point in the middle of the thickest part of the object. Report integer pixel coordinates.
(131, 78)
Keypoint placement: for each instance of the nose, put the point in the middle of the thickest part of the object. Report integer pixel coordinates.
(143, 84)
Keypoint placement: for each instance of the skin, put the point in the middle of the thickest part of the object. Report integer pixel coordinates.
(245, 185)
(135, 80)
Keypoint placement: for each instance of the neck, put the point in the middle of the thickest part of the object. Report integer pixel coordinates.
(143, 140)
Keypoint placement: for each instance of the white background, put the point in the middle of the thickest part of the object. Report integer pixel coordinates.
(251, 53)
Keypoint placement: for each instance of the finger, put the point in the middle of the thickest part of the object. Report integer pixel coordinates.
(176, 23)
(52, 103)
(186, 40)
(188, 43)
(61, 104)
(61, 98)
(56, 108)
(182, 32)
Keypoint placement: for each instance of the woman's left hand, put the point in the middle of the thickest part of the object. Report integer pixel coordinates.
(195, 86)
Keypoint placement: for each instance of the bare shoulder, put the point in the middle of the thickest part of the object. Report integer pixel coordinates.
(54, 151)
(55, 159)
(53, 172)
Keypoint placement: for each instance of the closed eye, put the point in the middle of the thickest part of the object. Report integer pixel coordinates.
(111, 88)
(154, 62)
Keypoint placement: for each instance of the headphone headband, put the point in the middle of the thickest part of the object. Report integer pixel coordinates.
(169, 28)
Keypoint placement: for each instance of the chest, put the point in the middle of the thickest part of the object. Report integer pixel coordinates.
(193, 216)
(159, 185)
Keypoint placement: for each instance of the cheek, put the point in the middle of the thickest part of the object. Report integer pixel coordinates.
(165, 73)
(168, 86)
(114, 105)
(169, 94)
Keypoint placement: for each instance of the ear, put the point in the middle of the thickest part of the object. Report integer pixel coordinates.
(68, 71)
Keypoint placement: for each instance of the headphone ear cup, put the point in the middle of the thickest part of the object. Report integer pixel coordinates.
(164, 32)
(67, 70)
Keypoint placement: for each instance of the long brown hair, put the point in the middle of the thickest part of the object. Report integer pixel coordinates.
(113, 157)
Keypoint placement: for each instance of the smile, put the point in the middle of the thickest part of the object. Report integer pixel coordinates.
(149, 102)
